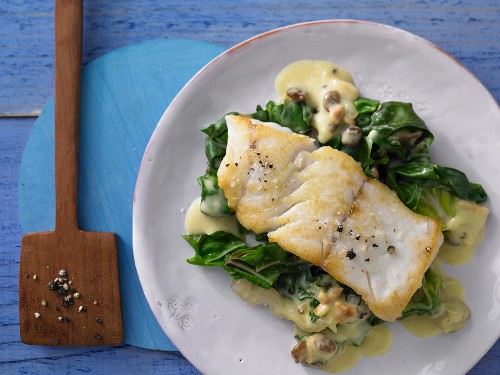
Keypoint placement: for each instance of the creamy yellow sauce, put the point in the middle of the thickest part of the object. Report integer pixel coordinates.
(297, 310)
(370, 341)
(315, 79)
(279, 306)
(197, 222)
(453, 315)
(462, 237)
(212, 204)
(466, 230)
(377, 342)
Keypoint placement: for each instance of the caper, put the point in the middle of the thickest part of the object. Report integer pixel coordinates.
(352, 135)
(296, 94)
(330, 99)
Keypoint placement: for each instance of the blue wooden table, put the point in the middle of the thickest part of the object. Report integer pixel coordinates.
(468, 30)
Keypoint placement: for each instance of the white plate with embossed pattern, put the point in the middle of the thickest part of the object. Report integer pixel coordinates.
(214, 329)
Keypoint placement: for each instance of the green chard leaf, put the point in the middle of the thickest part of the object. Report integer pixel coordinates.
(213, 249)
(426, 301)
(213, 200)
(395, 149)
(458, 184)
(437, 203)
(366, 105)
(392, 118)
(408, 192)
(261, 264)
(216, 141)
(294, 115)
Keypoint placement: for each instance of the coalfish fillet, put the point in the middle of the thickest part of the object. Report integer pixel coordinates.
(319, 205)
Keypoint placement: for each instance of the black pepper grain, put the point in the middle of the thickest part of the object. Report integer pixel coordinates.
(351, 254)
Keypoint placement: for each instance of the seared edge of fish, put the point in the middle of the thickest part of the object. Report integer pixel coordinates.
(319, 205)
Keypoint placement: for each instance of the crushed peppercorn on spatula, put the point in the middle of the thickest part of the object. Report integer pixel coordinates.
(69, 284)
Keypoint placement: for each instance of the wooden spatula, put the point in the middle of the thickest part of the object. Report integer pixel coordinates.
(69, 284)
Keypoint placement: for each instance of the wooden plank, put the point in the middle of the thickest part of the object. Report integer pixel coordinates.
(463, 28)
(19, 358)
(467, 29)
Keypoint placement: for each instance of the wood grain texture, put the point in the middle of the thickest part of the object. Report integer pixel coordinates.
(53, 311)
(68, 18)
(89, 261)
(469, 30)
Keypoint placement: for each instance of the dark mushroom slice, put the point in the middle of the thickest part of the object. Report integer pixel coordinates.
(316, 349)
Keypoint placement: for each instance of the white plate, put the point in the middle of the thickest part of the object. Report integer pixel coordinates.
(214, 329)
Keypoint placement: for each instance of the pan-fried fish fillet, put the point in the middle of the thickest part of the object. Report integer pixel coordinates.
(319, 205)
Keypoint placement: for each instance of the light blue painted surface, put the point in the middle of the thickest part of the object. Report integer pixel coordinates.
(124, 94)
(467, 29)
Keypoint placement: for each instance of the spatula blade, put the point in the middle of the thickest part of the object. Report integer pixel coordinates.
(83, 307)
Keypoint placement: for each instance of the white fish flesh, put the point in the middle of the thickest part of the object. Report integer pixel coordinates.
(319, 205)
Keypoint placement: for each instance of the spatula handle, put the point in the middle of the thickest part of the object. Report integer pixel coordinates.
(68, 63)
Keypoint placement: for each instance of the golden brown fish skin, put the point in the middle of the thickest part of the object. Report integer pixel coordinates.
(251, 182)
(319, 205)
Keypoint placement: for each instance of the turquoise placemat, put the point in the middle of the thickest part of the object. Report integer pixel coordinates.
(124, 94)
